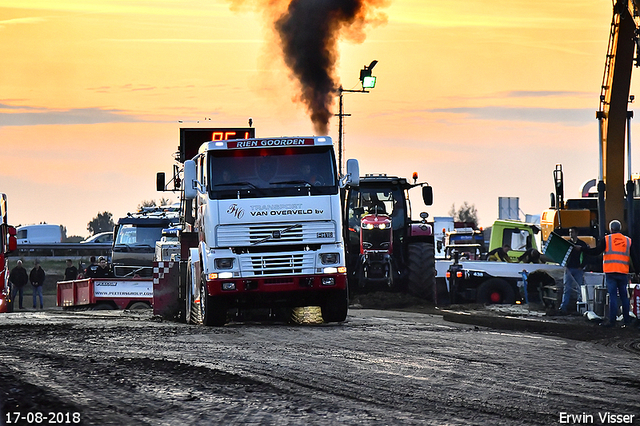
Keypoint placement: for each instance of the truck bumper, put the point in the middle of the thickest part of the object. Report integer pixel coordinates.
(273, 285)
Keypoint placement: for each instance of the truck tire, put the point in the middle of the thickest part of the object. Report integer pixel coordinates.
(495, 291)
(213, 309)
(139, 305)
(335, 306)
(421, 270)
(103, 306)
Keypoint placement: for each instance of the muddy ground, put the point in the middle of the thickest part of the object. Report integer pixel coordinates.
(394, 361)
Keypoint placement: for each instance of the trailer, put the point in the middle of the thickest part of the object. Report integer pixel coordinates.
(106, 293)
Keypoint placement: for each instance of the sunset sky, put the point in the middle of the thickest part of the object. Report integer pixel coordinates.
(482, 98)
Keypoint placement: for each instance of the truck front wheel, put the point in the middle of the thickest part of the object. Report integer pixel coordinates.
(213, 309)
(335, 306)
(421, 266)
(495, 291)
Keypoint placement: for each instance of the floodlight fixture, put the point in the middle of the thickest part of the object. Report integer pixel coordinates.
(369, 82)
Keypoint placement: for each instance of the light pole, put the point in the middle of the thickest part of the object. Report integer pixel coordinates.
(368, 82)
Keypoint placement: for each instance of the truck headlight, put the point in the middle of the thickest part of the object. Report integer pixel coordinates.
(228, 286)
(328, 281)
(224, 263)
(329, 258)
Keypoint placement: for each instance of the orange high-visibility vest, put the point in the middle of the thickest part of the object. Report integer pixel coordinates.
(616, 254)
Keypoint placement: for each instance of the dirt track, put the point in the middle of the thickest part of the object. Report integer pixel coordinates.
(380, 367)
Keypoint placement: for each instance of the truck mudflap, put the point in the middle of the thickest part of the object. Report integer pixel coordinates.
(275, 284)
(119, 293)
(166, 292)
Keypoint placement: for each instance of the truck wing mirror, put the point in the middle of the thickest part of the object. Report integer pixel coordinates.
(427, 195)
(353, 173)
(160, 181)
(13, 242)
(190, 180)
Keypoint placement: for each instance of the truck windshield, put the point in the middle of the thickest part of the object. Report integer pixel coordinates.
(138, 235)
(267, 172)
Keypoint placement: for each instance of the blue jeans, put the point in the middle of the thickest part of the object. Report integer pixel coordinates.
(572, 282)
(20, 290)
(37, 291)
(617, 283)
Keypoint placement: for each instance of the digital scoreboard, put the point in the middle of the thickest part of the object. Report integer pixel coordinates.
(192, 138)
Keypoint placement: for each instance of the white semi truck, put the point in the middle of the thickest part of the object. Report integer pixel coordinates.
(261, 228)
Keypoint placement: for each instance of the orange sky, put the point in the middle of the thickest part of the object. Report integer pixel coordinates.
(482, 97)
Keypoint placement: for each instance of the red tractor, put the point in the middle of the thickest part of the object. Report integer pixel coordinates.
(385, 248)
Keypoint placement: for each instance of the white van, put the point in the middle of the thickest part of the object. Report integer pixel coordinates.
(39, 234)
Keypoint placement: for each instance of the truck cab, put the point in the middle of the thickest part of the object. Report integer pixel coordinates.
(520, 236)
(8, 244)
(135, 238)
(266, 213)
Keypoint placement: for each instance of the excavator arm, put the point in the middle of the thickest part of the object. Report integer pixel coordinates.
(612, 113)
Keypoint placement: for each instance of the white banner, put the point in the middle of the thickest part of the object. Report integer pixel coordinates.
(284, 209)
(116, 288)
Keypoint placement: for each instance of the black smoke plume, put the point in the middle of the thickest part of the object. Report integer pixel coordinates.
(309, 31)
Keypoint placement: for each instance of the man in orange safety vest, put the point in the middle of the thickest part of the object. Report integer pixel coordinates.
(616, 249)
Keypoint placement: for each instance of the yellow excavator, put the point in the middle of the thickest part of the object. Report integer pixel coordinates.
(615, 200)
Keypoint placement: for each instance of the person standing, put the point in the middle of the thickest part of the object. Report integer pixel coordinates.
(573, 271)
(103, 270)
(71, 273)
(36, 276)
(91, 269)
(18, 279)
(616, 249)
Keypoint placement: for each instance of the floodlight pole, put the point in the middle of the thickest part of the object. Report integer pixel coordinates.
(365, 72)
(341, 114)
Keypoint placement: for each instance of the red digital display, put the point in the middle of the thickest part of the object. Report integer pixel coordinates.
(225, 135)
(192, 138)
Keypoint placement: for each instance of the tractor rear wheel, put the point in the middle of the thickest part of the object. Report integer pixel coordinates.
(421, 266)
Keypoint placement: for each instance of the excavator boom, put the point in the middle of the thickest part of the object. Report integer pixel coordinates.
(614, 98)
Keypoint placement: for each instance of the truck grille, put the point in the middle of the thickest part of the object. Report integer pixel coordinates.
(276, 234)
(277, 264)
